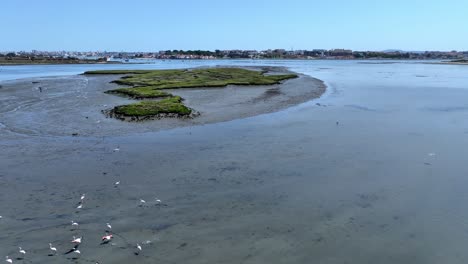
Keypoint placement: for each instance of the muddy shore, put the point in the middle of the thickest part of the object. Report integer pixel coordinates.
(57, 145)
(74, 105)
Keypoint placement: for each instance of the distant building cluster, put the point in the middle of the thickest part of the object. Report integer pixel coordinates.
(342, 54)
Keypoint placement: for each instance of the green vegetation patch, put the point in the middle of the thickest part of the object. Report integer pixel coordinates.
(172, 105)
(147, 84)
(140, 92)
(210, 77)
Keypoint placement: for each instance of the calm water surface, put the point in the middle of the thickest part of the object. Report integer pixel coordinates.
(386, 184)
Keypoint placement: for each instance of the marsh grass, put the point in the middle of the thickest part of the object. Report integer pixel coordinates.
(148, 84)
(211, 77)
(172, 105)
(140, 92)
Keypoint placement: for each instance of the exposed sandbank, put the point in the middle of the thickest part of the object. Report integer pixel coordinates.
(72, 105)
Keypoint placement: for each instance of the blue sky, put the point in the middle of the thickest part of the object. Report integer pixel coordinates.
(152, 25)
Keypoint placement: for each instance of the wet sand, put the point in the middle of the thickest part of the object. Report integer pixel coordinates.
(72, 105)
(48, 169)
(385, 185)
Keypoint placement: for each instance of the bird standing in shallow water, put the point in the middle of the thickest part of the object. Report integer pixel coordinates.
(138, 249)
(83, 196)
(106, 239)
(53, 249)
(73, 223)
(76, 240)
(22, 251)
(8, 259)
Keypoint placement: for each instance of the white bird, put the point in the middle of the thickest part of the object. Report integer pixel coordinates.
(139, 247)
(79, 206)
(76, 240)
(109, 226)
(8, 259)
(22, 251)
(83, 196)
(107, 237)
(73, 223)
(1, 217)
(116, 183)
(77, 251)
(142, 201)
(52, 248)
(158, 201)
(117, 149)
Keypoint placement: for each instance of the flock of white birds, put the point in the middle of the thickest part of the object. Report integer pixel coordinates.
(76, 241)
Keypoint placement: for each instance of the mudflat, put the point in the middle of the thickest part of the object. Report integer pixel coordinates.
(57, 146)
(74, 105)
(374, 171)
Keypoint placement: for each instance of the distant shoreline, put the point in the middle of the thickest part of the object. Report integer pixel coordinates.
(299, 59)
(142, 61)
(57, 63)
(13, 61)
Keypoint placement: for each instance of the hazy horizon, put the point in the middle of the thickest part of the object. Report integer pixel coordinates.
(257, 25)
(150, 51)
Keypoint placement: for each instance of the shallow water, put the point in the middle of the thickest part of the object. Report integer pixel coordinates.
(386, 184)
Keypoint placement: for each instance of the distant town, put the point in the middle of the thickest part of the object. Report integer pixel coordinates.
(334, 54)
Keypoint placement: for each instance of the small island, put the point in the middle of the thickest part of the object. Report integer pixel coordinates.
(461, 61)
(149, 86)
(452, 62)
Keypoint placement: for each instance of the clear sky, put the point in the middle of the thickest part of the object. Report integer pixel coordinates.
(153, 25)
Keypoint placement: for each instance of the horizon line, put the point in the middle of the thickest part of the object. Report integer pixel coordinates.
(212, 50)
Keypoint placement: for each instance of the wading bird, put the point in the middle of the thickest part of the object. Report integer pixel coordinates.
(73, 223)
(138, 249)
(76, 240)
(53, 249)
(22, 251)
(8, 259)
(106, 239)
(109, 226)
